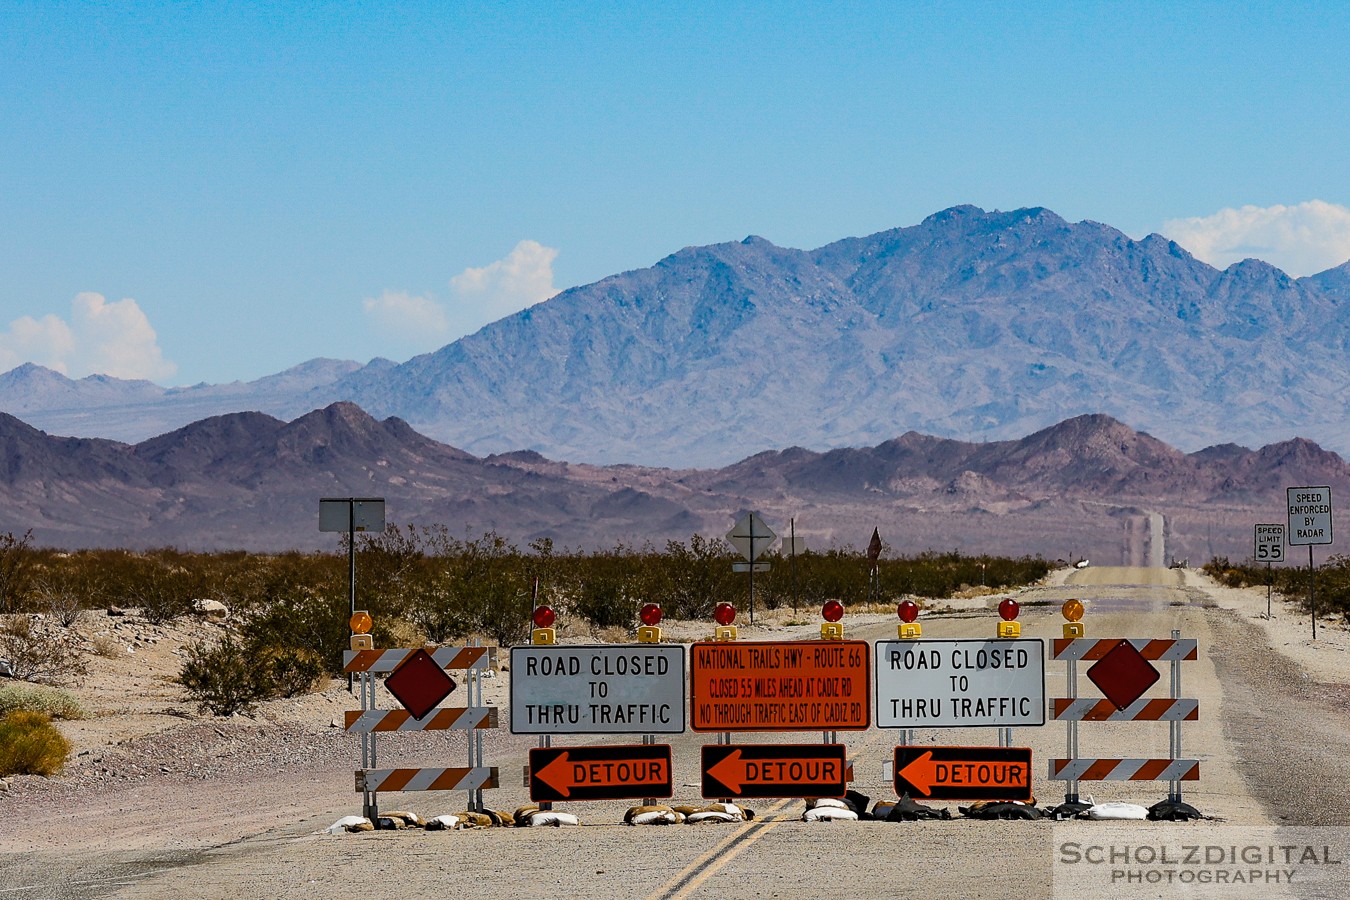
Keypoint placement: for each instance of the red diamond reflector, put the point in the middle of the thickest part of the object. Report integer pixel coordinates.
(419, 684)
(1123, 674)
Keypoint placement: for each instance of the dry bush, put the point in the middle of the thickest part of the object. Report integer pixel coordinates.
(107, 646)
(16, 564)
(31, 745)
(57, 704)
(37, 651)
(289, 671)
(220, 677)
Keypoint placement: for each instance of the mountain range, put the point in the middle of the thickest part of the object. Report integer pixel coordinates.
(971, 325)
(1089, 486)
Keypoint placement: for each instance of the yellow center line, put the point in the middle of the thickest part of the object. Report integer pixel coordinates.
(695, 874)
(671, 889)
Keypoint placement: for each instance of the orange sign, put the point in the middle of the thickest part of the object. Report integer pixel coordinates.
(603, 772)
(779, 686)
(774, 770)
(964, 773)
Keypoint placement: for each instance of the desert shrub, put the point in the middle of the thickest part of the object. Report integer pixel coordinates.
(168, 588)
(39, 651)
(310, 619)
(31, 745)
(221, 677)
(289, 671)
(106, 646)
(601, 595)
(1333, 586)
(51, 702)
(690, 580)
(16, 564)
(1331, 581)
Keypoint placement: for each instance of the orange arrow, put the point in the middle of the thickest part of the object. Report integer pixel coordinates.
(557, 775)
(921, 773)
(730, 771)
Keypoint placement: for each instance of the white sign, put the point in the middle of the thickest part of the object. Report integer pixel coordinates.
(351, 514)
(1269, 543)
(609, 689)
(751, 536)
(960, 684)
(749, 567)
(1309, 515)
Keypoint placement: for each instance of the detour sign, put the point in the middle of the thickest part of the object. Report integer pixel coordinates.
(602, 772)
(964, 773)
(779, 686)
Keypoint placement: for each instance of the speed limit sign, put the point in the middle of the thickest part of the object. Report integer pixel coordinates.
(1269, 543)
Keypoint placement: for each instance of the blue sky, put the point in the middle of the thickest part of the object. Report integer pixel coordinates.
(210, 191)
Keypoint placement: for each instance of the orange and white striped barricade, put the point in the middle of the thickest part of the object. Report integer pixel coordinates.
(1122, 669)
(418, 679)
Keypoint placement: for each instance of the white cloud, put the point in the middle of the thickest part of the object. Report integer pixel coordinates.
(523, 278)
(478, 296)
(1302, 239)
(101, 338)
(404, 316)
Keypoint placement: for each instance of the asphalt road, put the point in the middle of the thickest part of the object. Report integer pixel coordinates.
(1273, 751)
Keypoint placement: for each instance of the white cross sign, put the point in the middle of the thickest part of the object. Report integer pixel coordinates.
(751, 536)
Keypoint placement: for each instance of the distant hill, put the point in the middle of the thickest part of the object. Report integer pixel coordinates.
(972, 325)
(1089, 486)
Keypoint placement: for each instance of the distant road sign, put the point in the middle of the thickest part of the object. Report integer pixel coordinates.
(604, 772)
(774, 770)
(964, 773)
(589, 689)
(874, 547)
(960, 684)
(1269, 544)
(779, 686)
(750, 567)
(751, 536)
(351, 514)
(1309, 515)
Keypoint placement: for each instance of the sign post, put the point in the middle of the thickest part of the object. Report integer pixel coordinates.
(1269, 547)
(1310, 524)
(873, 575)
(751, 535)
(351, 514)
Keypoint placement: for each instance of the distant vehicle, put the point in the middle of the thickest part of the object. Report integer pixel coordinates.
(1081, 564)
